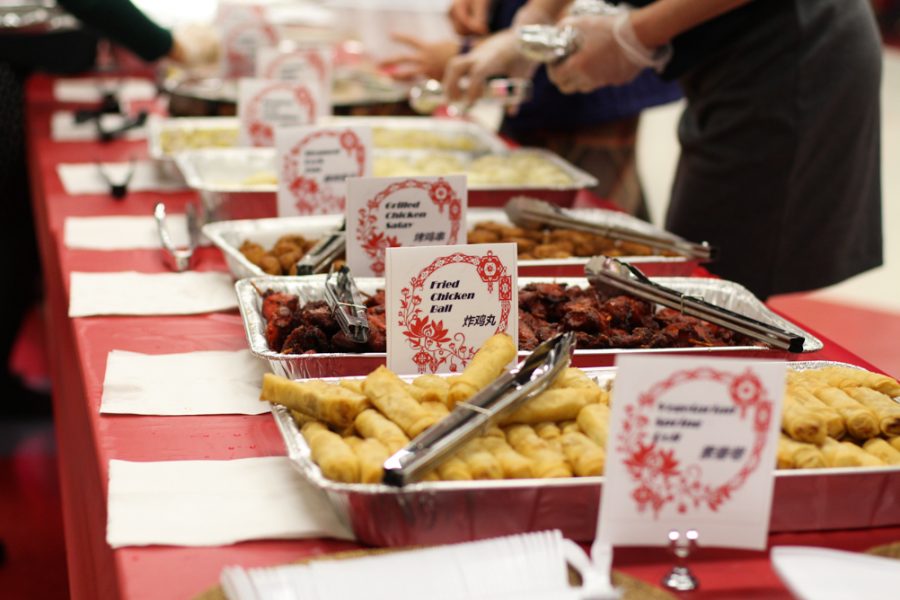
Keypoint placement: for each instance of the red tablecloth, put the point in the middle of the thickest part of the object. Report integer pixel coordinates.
(87, 441)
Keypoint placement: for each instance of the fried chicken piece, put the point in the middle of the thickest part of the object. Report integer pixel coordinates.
(305, 339)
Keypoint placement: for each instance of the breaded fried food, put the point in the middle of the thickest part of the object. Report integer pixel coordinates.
(371, 455)
(546, 462)
(330, 403)
(594, 422)
(372, 424)
(882, 450)
(586, 457)
(388, 393)
(886, 409)
(335, 458)
(792, 454)
(487, 364)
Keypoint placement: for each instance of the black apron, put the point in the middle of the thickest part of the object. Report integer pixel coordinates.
(780, 161)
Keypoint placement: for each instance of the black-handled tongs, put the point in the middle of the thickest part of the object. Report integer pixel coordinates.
(532, 376)
(603, 271)
(346, 304)
(531, 213)
(321, 256)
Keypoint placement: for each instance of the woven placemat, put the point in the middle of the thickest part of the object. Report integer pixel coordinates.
(632, 589)
(887, 550)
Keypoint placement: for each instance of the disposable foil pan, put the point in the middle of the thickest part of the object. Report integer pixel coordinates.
(229, 235)
(722, 293)
(221, 175)
(157, 128)
(479, 140)
(456, 511)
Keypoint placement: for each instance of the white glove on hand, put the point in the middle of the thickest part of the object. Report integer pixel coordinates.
(610, 54)
(195, 45)
(497, 55)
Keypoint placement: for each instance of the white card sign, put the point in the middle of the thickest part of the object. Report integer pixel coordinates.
(244, 29)
(264, 105)
(444, 302)
(692, 446)
(302, 65)
(387, 212)
(314, 164)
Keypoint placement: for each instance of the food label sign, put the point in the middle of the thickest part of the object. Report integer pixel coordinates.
(244, 29)
(264, 105)
(692, 446)
(444, 302)
(312, 65)
(398, 211)
(314, 164)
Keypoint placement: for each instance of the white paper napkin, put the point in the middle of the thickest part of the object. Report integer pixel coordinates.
(85, 178)
(195, 383)
(523, 567)
(63, 127)
(212, 503)
(825, 574)
(91, 89)
(130, 293)
(122, 233)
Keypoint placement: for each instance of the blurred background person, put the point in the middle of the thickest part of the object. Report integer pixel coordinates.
(63, 51)
(595, 131)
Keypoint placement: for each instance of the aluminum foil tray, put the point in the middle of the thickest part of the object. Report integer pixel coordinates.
(481, 139)
(221, 175)
(297, 366)
(456, 511)
(229, 235)
(185, 125)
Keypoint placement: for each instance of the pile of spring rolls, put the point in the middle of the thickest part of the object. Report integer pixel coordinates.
(839, 417)
(354, 426)
(832, 417)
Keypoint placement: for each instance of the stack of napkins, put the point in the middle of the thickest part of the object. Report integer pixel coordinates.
(522, 567)
(825, 574)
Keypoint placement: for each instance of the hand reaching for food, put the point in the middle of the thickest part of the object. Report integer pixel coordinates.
(423, 59)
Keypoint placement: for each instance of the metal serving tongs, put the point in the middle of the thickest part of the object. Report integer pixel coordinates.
(603, 271)
(530, 213)
(346, 304)
(178, 259)
(321, 256)
(427, 97)
(532, 376)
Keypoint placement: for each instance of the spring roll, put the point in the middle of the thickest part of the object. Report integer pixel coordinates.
(882, 450)
(846, 454)
(861, 422)
(792, 454)
(800, 423)
(844, 377)
(594, 422)
(547, 431)
(371, 455)
(454, 469)
(833, 422)
(488, 363)
(514, 465)
(886, 409)
(546, 462)
(387, 392)
(586, 457)
(560, 404)
(332, 404)
(895, 442)
(570, 426)
(335, 458)
(434, 388)
(481, 462)
(372, 424)
(574, 378)
(354, 385)
(436, 409)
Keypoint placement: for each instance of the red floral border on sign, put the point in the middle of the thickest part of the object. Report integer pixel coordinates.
(430, 338)
(313, 57)
(262, 133)
(239, 60)
(375, 241)
(310, 197)
(660, 477)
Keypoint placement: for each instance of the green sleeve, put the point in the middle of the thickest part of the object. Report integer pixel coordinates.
(122, 22)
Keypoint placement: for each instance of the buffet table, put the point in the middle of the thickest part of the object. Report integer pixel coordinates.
(87, 440)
